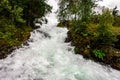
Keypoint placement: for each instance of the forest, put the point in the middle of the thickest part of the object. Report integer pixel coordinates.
(95, 35)
(17, 18)
(59, 40)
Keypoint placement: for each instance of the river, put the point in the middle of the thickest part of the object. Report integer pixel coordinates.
(48, 58)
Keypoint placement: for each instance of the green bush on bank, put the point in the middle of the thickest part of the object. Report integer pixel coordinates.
(93, 35)
(17, 21)
(87, 37)
(99, 53)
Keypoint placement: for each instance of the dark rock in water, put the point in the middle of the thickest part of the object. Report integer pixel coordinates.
(115, 66)
(47, 35)
(44, 33)
(30, 40)
(69, 37)
(38, 79)
(5, 50)
(0, 68)
(37, 25)
(39, 31)
(12, 55)
(26, 43)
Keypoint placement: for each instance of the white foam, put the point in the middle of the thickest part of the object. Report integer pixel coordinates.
(49, 58)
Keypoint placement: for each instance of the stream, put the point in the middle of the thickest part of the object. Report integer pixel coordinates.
(48, 58)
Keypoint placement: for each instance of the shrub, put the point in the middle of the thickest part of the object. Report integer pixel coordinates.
(99, 53)
(104, 35)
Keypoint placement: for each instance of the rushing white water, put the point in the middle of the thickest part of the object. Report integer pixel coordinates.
(48, 58)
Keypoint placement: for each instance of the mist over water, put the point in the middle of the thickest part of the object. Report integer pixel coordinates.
(48, 58)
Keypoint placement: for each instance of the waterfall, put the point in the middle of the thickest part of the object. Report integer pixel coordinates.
(48, 58)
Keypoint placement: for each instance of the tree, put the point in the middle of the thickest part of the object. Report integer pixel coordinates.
(5, 8)
(32, 11)
(16, 21)
(116, 16)
(104, 34)
(20, 11)
(76, 9)
(115, 11)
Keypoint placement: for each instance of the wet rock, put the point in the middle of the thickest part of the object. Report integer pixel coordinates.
(5, 50)
(45, 34)
(116, 60)
(30, 40)
(37, 25)
(26, 43)
(38, 79)
(69, 37)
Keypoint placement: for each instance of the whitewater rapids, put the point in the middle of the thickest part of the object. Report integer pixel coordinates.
(48, 58)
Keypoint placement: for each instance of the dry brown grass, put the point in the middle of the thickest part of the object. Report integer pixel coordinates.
(93, 27)
(116, 29)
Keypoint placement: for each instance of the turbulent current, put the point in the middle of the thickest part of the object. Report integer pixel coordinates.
(48, 58)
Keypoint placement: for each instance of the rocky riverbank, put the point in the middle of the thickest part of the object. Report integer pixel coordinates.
(14, 41)
(83, 46)
(112, 58)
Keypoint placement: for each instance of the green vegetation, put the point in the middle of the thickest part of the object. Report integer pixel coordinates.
(93, 35)
(17, 18)
(104, 35)
(99, 53)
